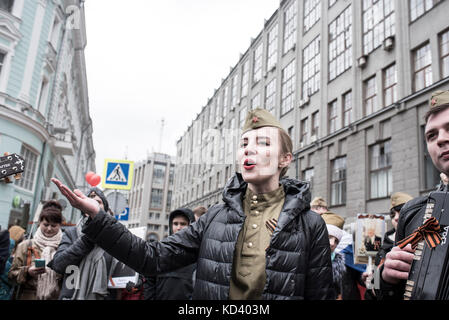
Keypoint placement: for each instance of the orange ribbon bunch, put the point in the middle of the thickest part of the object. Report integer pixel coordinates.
(429, 231)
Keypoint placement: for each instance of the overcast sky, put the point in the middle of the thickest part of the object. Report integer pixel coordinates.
(150, 60)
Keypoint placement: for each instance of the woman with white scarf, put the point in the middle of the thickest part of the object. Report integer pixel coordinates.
(39, 283)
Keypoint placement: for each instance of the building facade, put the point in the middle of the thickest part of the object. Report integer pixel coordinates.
(350, 82)
(44, 107)
(150, 197)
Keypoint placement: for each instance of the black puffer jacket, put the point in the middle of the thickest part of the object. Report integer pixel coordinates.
(298, 262)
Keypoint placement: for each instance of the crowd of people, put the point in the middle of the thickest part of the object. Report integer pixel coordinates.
(267, 240)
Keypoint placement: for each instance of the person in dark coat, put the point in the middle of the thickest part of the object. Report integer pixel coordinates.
(262, 243)
(73, 250)
(396, 267)
(178, 284)
(4, 249)
(397, 200)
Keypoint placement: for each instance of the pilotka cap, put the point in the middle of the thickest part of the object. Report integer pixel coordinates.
(259, 118)
(439, 98)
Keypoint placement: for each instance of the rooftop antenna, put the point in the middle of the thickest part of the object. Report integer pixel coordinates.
(161, 135)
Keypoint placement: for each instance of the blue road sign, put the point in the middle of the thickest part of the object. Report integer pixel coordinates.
(124, 215)
(118, 174)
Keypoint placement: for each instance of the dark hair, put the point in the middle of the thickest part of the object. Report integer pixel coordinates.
(286, 147)
(52, 212)
(435, 110)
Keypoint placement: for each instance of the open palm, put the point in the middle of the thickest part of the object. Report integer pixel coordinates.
(78, 200)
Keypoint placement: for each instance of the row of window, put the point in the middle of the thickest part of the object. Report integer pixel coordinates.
(378, 24)
(380, 173)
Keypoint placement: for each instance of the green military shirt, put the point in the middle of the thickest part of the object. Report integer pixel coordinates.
(248, 270)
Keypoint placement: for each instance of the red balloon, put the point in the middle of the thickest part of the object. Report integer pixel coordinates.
(94, 180)
(89, 175)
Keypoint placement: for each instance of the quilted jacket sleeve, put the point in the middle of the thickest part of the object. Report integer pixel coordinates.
(147, 258)
(319, 273)
(71, 251)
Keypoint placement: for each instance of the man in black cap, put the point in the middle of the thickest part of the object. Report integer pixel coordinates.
(396, 268)
(178, 284)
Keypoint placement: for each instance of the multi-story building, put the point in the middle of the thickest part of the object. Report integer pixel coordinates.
(350, 81)
(150, 197)
(44, 108)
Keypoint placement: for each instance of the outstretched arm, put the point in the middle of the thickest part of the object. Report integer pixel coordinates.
(78, 200)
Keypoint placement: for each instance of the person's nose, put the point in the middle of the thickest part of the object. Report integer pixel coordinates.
(443, 137)
(250, 150)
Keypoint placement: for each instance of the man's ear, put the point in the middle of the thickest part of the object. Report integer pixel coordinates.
(285, 160)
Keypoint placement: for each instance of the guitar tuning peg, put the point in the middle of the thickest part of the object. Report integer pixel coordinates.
(18, 176)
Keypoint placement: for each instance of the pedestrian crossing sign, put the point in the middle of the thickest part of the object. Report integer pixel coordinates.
(118, 174)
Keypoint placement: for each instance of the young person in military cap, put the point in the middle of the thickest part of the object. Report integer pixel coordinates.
(395, 270)
(262, 243)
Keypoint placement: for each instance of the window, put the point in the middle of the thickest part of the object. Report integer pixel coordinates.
(390, 85)
(218, 182)
(288, 87)
(338, 181)
(381, 180)
(378, 23)
(315, 124)
(270, 96)
(431, 174)
(242, 117)
(158, 173)
(370, 90)
(290, 27)
(307, 175)
(311, 68)
(291, 133)
(28, 176)
(272, 47)
(245, 78)
(340, 44)
(257, 67)
(7, 5)
(312, 13)
(234, 91)
(444, 54)
(171, 175)
(347, 108)
(43, 96)
(2, 59)
(225, 101)
(304, 131)
(169, 197)
(422, 59)
(255, 101)
(332, 116)
(419, 7)
(211, 114)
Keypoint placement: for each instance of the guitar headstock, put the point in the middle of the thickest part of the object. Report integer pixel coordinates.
(11, 164)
